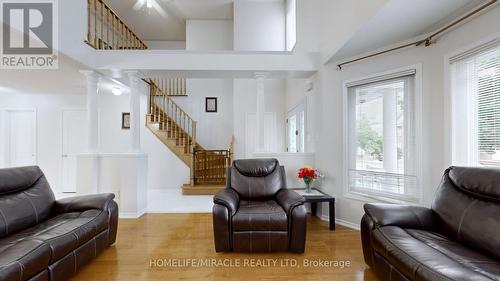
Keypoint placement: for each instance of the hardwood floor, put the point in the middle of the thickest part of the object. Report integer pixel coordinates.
(178, 237)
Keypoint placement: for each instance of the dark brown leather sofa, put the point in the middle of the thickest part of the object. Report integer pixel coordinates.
(457, 239)
(44, 239)
(256, 212)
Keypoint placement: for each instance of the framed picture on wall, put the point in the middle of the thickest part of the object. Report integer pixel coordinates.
(125, 120)
(210, 104)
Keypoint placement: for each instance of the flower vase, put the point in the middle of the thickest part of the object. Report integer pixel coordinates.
(308, 187)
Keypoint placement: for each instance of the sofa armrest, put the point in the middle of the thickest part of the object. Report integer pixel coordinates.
(83, 203)
(289, 199)
(400, 215)
(229, 198)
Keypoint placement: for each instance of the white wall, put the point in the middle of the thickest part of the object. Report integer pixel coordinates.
(259, 25)
(166, 45)
(166, 170)
(338, 23)
(209, 35)
(214, 129)
(245, 101)
(49, 126)
(329, 107)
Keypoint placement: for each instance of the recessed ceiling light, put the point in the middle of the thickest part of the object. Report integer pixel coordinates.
(117, 91)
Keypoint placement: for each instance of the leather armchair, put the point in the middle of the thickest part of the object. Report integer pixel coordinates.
(456, 239)
(46, 239)
(256, 212)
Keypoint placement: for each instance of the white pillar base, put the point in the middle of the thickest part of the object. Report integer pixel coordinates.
(124, 174)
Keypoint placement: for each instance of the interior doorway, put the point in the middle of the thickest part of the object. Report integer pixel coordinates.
(20, 138)
(74, 142)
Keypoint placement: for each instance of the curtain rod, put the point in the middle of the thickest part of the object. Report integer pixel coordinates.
(427, 41)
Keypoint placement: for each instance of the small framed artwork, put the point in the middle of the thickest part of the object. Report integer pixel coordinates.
(210, 104)
(125, 120)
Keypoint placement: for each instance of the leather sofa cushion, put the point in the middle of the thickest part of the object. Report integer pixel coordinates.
(261, 183)
(18, 179)
(260, 241)
(480, 181)
(424, 255)
(260, 216)
(255, 167)
(25, 199)
(465, 256)
(469, 220)
(24, 259)
(52, 239)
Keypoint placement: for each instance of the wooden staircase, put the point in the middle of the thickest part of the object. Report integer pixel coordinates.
(177, 130)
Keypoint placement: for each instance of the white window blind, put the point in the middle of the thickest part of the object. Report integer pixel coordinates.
(381, 137)
(475, 93)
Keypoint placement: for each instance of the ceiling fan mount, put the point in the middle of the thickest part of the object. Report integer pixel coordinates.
(151, 5)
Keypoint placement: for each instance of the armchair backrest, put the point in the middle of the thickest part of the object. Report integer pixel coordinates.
(25, 199)
(468, 205)
(256, 179)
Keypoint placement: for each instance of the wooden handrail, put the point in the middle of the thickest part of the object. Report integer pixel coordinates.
(172, 86)
(179, 125)
(106, 31)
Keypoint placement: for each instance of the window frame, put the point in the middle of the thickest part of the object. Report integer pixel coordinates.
(450, 145)
(290, 25)
(300, 107)
(417, 100)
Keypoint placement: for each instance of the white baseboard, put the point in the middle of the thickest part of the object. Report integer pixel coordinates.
(132, 215)
(342, 222)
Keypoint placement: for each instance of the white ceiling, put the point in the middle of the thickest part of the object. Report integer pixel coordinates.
(400, 20)
(151, 26)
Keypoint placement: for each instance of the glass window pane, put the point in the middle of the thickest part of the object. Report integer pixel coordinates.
(380, 131)
(488, 107)
(380, 137)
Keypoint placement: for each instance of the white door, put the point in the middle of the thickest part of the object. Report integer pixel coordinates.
(20, 137)
(74, 134)
(295, 122)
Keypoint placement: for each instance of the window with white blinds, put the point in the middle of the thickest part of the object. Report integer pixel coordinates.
(475, 92)
(381, 138)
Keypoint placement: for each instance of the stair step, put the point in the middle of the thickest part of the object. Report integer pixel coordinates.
(205, 189)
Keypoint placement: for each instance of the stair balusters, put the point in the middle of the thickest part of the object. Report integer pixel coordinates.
(171, 118)
(208, 167)
(106, 31)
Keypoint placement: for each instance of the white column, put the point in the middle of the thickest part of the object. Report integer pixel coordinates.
(260, 111)
(390, 132)
(135, 111)
(88, 164)
(92, 110)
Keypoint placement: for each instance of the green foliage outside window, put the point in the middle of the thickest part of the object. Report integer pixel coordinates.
(369, 140)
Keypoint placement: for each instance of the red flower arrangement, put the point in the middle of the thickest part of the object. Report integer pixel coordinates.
(308, 175)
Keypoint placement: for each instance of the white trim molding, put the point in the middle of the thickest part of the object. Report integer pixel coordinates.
(418, 101)
(342, 222)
